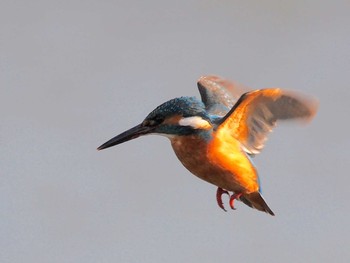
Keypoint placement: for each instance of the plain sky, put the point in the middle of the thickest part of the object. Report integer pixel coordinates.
(75, 73)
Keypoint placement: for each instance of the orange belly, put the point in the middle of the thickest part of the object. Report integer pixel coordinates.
(219, 162)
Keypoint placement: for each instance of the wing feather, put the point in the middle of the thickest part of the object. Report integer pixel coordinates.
(255, 114)
(218, 94)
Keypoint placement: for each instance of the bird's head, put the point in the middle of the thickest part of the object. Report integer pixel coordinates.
(176, 117)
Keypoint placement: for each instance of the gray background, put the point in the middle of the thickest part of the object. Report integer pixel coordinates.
(75, 73)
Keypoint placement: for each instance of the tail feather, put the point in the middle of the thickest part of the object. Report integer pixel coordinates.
(255, 200)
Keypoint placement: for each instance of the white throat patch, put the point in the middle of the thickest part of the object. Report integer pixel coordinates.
(196, 122)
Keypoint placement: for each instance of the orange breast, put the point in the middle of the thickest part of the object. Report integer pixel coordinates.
(226, 152)
(220, 162)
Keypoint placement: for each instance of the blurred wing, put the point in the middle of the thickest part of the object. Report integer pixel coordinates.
(218, 94)
(255, 114)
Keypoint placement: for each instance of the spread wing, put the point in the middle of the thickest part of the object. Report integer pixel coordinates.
(255, 114)
(218, 94)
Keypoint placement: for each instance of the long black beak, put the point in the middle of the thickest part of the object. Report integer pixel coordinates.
(128, 135)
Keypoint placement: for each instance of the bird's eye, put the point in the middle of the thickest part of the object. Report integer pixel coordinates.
(153, 122)
(158, 119)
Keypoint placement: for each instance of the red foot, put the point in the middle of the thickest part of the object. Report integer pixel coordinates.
(233, 198)
(219, 193)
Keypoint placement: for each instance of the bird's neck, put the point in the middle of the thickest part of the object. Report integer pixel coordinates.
(191, 150)
(189, 143)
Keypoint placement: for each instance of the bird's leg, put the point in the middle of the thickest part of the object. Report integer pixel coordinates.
(219, 193)
(233, 198)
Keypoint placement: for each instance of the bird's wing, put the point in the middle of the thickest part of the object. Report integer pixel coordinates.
(218, 94)
(255, 114)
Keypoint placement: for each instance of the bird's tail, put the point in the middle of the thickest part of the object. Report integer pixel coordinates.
(255, 200)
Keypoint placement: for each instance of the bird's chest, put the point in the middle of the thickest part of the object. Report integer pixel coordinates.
(218, 162)
(193, 154)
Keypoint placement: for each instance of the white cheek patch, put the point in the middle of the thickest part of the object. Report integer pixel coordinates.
(195, 122)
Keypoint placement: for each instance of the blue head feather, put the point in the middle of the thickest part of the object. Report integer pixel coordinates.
(183, 106)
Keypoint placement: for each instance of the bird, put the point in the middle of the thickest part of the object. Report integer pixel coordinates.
(216, 137)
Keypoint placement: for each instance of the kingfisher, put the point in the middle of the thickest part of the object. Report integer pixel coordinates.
(216, 137)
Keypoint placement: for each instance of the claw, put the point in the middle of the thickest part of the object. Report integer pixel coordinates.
(219, 193)
(233, 198)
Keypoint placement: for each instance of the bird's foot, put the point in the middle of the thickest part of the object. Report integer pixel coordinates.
(219, 193)
(233, 198)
